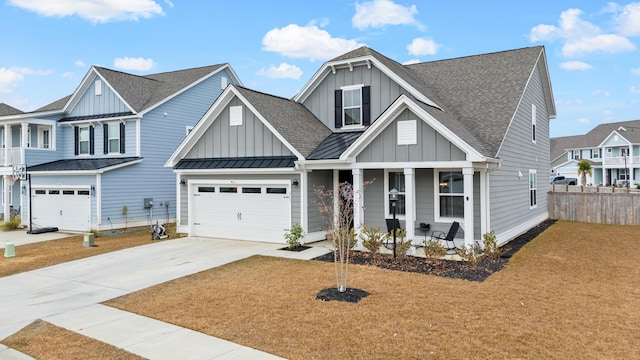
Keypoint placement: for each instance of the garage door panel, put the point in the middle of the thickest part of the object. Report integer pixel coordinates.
(66, 209)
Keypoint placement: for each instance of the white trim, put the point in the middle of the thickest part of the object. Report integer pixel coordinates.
(97, 86)
(436, 195)
(84, 86)
(343, 89)
(98, 194)
(138, 137)
(84, 172)
(387, 210)
(41, 137)
(510, 234)
(236, 171)
(389, 116)
(613, 133)
(535, 188)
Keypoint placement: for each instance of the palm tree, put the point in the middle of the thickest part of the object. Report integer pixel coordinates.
(584, 168)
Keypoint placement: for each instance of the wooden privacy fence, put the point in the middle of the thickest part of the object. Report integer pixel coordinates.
(622, 208)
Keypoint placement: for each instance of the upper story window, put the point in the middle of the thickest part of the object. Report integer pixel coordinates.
(352, 106)
(114, 138)
(44, 137)
(449, 195)
(533, 123)
(595, 154)
(84, 140)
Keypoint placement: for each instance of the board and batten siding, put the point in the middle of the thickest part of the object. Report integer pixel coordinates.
(431, 146)
(509, 192)
(383, 92)
(316, 179)
(106, 103)
(252, 138)
(294, 190)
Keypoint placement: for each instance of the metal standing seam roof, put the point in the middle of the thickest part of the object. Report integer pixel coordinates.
(95, 117)
(334, 145)
(256, 162)
(81, 164)
(292, 120)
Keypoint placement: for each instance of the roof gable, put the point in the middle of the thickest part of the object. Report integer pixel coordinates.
(9, 110)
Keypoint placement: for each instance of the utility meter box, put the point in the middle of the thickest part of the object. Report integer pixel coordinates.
(148, 203)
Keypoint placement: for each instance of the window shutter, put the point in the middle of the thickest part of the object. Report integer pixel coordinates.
(366, 107)
(105, 137)
(91, 142)
(76, 137)
(338, 105)
(121, 138)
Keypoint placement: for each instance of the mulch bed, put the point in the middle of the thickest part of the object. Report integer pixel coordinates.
(484, 268)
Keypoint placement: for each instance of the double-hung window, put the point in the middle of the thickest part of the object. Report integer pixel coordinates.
(533, 189)
(352, 106)
(450, 195)
(395, 180)
(44, 137)
(83, 140)
(113, 138)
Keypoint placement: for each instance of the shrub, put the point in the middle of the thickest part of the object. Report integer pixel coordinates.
(491, 247)
(469, 255)
(294, 235)
(402, 248)
(433, 249)
(12, 224)
(372, 238)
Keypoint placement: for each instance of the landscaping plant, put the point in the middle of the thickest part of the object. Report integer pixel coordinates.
(294, 235)
(372, 238)
(433, 249)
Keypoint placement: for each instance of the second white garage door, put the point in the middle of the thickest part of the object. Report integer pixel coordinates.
(257, 212)
(66, 209)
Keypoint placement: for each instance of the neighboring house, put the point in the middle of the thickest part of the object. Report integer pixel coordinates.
(613, 149)
(103, 147)
(462, 140)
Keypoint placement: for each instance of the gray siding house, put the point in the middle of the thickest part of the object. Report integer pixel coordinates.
(462, 140)
(103, 147)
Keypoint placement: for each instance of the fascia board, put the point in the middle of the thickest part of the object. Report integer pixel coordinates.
(614, 132)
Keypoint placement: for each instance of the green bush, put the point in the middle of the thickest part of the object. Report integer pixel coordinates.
(294, 235)
(372, 238)
(402, 248)
(433, 249)
(12, 224)
(491, 247)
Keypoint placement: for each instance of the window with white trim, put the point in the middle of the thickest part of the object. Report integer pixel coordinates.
(533, 123)
(113, 138)
(352, 106)
(395, 180)
(98, 87)
(44, 137)
(83, 140)
(533, 189)
(450, 195)
(2, 142)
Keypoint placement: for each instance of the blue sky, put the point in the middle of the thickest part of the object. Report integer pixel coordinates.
(276, 46)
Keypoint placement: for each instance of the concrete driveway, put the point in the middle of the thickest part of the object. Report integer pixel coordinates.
(20, 237)
(68, 295)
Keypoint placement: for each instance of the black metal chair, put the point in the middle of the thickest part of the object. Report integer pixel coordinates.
(448, 237)
(391, 227)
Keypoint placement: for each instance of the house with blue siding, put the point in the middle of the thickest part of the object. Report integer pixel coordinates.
(101, 150)
(612, 149)
(462, 140)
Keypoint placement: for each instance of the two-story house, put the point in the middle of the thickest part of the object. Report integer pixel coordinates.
(462, 140)
(95, 158)
(613, 149)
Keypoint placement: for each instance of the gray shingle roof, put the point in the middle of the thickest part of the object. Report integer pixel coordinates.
(81, 164)
(480, 92)
(56, 105)
(257, 162)
(292, 120)
(595, 137)
(9, 110)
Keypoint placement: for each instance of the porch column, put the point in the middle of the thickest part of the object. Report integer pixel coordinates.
(7, 144)
(409, 203)
(358, 204)
(23, 135)
(468, 207)
(6, 185)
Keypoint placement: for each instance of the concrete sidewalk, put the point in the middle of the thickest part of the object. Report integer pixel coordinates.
(20, 237)
(67, 294)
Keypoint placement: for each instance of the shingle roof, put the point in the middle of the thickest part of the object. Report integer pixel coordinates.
(480, 92)
(56, 105)
(630, 131)
(334, 145)
(258, 162)
(292, 120)
(81, 164)
(9, 110)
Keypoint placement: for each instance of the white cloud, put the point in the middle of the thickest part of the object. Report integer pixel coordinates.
(97, 11)
(309, 41)
(635, 71)
(80, 63)
(634, 89)
(580, 36)
(575, 65)
(412, 61)
(282, 71)
(379, 13)
(600, 92)
(169, 3)
(628, 21)
(10, 77)
(422, 46)
(67, 74)
(583, 120)
(138, 64)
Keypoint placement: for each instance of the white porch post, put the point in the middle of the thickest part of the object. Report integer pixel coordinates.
(484, 197)
(304, 215)
(468, 207)
(6, 184)
(7, 145)
(409, 202)
(358, 216)
(23, 135)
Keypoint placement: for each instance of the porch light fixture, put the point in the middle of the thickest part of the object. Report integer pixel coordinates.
(393, 196)
(294, 182)
(182, 182)
(93, 190)
(24, 189)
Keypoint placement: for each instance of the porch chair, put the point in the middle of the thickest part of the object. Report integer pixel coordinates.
(440, 236)
(391, 226)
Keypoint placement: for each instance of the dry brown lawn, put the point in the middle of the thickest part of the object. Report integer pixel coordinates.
(55, 343)
(38, 255)
(570, 293)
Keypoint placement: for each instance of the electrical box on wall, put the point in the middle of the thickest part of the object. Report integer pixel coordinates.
(148, 203)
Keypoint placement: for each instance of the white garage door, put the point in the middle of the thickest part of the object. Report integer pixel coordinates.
(258, 212)
(66, 209)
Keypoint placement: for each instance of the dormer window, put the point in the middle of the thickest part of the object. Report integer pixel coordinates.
(352, 106)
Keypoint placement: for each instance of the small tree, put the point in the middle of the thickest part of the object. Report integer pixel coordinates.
(125, 212)
(584, 168)
(294, 235)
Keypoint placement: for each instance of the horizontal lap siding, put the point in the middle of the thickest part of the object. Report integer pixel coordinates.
(510, 192)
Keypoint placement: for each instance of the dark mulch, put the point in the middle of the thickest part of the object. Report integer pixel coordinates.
(349, 295)
(484, 268)
(296, 248)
